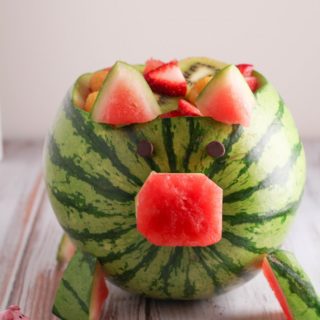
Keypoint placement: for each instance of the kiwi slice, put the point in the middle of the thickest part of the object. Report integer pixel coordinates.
(167, 103)
(199, 67)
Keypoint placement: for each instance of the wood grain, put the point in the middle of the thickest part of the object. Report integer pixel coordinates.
(29, 235)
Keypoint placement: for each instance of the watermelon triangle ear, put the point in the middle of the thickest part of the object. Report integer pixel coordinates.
(125, 98)
(227, 98)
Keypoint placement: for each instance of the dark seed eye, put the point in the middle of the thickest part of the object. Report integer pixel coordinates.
(145, 149)
(215, 149)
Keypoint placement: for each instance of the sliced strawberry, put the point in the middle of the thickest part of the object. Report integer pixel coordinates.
(245, 69)
(167, 79)
(252, 83)
(152, 64)
(185, 109)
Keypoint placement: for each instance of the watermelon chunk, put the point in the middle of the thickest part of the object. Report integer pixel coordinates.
(82, 290)
(227, 98)
(125, 98)
(291, 285)
(273, 282)
(179, 209)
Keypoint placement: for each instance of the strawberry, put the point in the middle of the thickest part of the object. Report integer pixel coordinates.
(152, 64)
(252, 83)
(167, 79)
(245, 69)
(185, 109)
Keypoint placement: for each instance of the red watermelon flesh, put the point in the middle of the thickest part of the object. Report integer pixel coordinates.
(227, 98)
(179, 209)
(99, 293)
(125, 98)
(267, 270)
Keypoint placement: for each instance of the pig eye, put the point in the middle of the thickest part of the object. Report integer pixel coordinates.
(215, 149)
(145, 149)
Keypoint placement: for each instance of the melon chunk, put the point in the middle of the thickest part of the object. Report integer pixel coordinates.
(82, 290)
(179, 209)
(227, 98)
(125, 98)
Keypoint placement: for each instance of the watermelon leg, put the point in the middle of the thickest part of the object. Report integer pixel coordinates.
(291, 285)
(82, 290)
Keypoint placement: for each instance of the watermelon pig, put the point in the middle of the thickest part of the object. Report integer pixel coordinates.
(179, 177)
(13, 313)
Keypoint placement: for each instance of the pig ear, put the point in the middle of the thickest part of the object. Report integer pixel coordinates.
(125, 98)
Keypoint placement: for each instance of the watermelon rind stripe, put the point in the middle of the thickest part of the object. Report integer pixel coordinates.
(255, 153)
(244, 243)
(260, 217)
(278, 176)
(112, 234)
(193, 145)
(131, 133)
(210, 272)
(78, 203)
(168, 142)
(227, 261)
(144, 263)
(82, 304)
(86, 130)
(219, 164)
(101, 185)
(303, 300)
(113, 256)
(56, 312)
(189, 290)
(173, 264)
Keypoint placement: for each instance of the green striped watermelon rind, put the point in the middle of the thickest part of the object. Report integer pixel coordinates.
(74, 294)
(302, 299)
(93, 174)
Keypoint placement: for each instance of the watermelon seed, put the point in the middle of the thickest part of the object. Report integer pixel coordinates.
(145, 149)
(215, 149)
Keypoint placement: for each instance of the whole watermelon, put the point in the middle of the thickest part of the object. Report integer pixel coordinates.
(93, 174)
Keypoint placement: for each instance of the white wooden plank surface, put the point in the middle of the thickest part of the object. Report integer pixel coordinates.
(30, 234)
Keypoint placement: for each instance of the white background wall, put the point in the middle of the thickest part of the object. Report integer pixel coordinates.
(45, 44)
